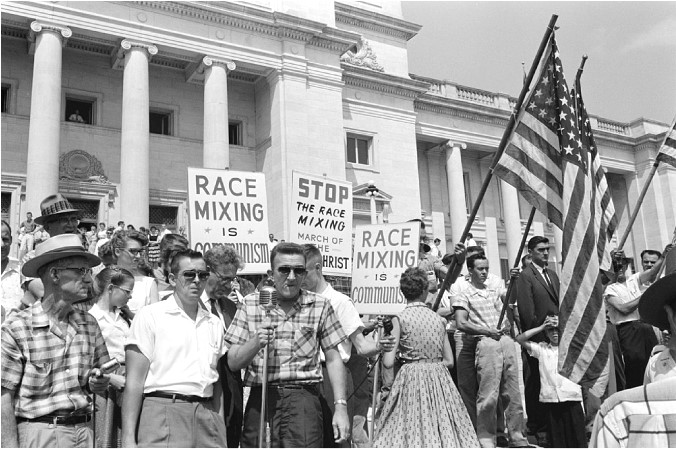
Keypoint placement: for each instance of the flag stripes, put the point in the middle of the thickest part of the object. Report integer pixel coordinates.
(668, 151)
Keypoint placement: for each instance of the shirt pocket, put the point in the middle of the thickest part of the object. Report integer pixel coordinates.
(37, 380)
(305, 341)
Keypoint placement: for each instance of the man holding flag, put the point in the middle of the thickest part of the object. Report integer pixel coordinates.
(557, 170)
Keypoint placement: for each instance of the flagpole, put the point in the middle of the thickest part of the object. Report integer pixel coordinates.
(581, 69)
(516, 265)
(452, 273)
(639, 202)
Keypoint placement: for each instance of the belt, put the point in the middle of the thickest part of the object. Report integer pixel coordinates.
(63, 420)
(312, 388)
(407, 362)
(177, 397)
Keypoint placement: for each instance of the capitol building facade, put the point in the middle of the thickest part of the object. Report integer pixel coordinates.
(110, 102)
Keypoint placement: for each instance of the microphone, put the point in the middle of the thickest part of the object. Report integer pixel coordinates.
(387, 325)
(268, 297)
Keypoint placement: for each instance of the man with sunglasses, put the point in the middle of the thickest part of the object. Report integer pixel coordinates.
(223, 292)
(52, 354)
(172, 390)
(295, 329)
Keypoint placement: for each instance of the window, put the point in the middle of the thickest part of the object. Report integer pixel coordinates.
(6, 205)
(160, 122)
(504, 269)
(5, 97)
(159, 215)
(468, 195)
(80, 110)
(235, 133)
(359, 149)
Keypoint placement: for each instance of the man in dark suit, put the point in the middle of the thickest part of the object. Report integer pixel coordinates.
(537, 292)
(223, 291)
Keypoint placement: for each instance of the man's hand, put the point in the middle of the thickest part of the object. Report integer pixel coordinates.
(117, 381)
(265, 333)
(98, 382)
(667, 249)
(551, 322)
(515, 272)
(460, 252)
(495, 334)
(341, 424)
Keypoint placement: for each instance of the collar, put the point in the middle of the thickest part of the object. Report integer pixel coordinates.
(40, 318)
(174, 308)
(538, 267)
(98, 313)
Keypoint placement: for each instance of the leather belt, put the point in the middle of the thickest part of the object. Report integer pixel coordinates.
(177, 397)
(312, 388)
(63, 420)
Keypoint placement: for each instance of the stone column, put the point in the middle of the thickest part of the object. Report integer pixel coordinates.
(42, 173)
(216, 153)
(135, 146)
(456, 188)
(510, 206)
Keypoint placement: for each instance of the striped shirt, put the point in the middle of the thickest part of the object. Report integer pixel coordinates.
(644, 416)
(294, 352)
(47, 369)
(483, 306)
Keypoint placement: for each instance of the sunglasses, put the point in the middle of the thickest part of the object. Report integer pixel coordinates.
(190, 275)
(84, 271)
(297, 271)
(135, 251)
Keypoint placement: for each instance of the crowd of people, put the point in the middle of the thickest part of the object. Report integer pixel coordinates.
(117, 337)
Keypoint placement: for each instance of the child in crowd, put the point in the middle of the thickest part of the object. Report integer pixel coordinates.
(561, 398)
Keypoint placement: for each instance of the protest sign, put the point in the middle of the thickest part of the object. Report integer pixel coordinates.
(230, 207)
(322, 215)
(381, 254)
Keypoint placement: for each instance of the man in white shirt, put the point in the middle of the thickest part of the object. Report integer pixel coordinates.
(11, 292)
(172, 356)
(351, 323)
(637, 338)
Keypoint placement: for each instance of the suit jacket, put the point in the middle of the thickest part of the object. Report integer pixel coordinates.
(535, 298)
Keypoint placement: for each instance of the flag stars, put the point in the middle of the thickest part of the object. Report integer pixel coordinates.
(568, 149)
(538, 93)
(549, 101)
(542, 113)
(563, 115)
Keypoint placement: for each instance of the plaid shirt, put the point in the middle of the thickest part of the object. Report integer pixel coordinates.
(45, 368)
(294, 352)
(483, 306)
(644, 416)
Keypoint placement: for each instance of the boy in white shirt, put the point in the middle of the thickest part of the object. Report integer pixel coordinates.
(561, 398)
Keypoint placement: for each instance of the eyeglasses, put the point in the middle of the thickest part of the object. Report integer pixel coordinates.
(69, 219)
(297, 271)
(135, 252)
(190, 275)
(223, 278)
(84, 271)
(126, 290)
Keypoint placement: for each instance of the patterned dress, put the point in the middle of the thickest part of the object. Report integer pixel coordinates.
(424, 408)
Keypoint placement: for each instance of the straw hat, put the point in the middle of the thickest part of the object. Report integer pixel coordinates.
(662, 292)
(55, 248)
(53, 206)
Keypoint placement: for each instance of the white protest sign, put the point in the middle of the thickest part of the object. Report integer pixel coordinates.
(322, 215)
(230, 207)
(381, 254)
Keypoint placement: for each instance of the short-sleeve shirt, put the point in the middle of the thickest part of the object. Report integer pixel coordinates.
(11, 292)
(660, 366)
(483, 306)
(553, 386)
(47, 369)
(115, 330)
(624, 292)
(183, 352)
(294, 350)
(348, 317)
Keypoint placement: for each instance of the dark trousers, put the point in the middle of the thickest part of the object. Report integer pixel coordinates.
(233, 401)
(295, 417)
(531, 377)
(328, 407)
(637, 339)
(565, 424)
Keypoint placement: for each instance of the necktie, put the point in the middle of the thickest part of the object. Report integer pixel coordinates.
(546, 276)
(214, 309)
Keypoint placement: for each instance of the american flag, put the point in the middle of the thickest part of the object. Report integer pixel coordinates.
(548, 163)
(668, 151)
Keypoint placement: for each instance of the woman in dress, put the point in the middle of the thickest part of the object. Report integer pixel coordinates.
(92, 238)
(153, 247)
(113, 287)
(424, 408)
(129, 249)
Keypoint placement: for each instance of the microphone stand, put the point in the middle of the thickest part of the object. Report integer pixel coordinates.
(264, 425)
